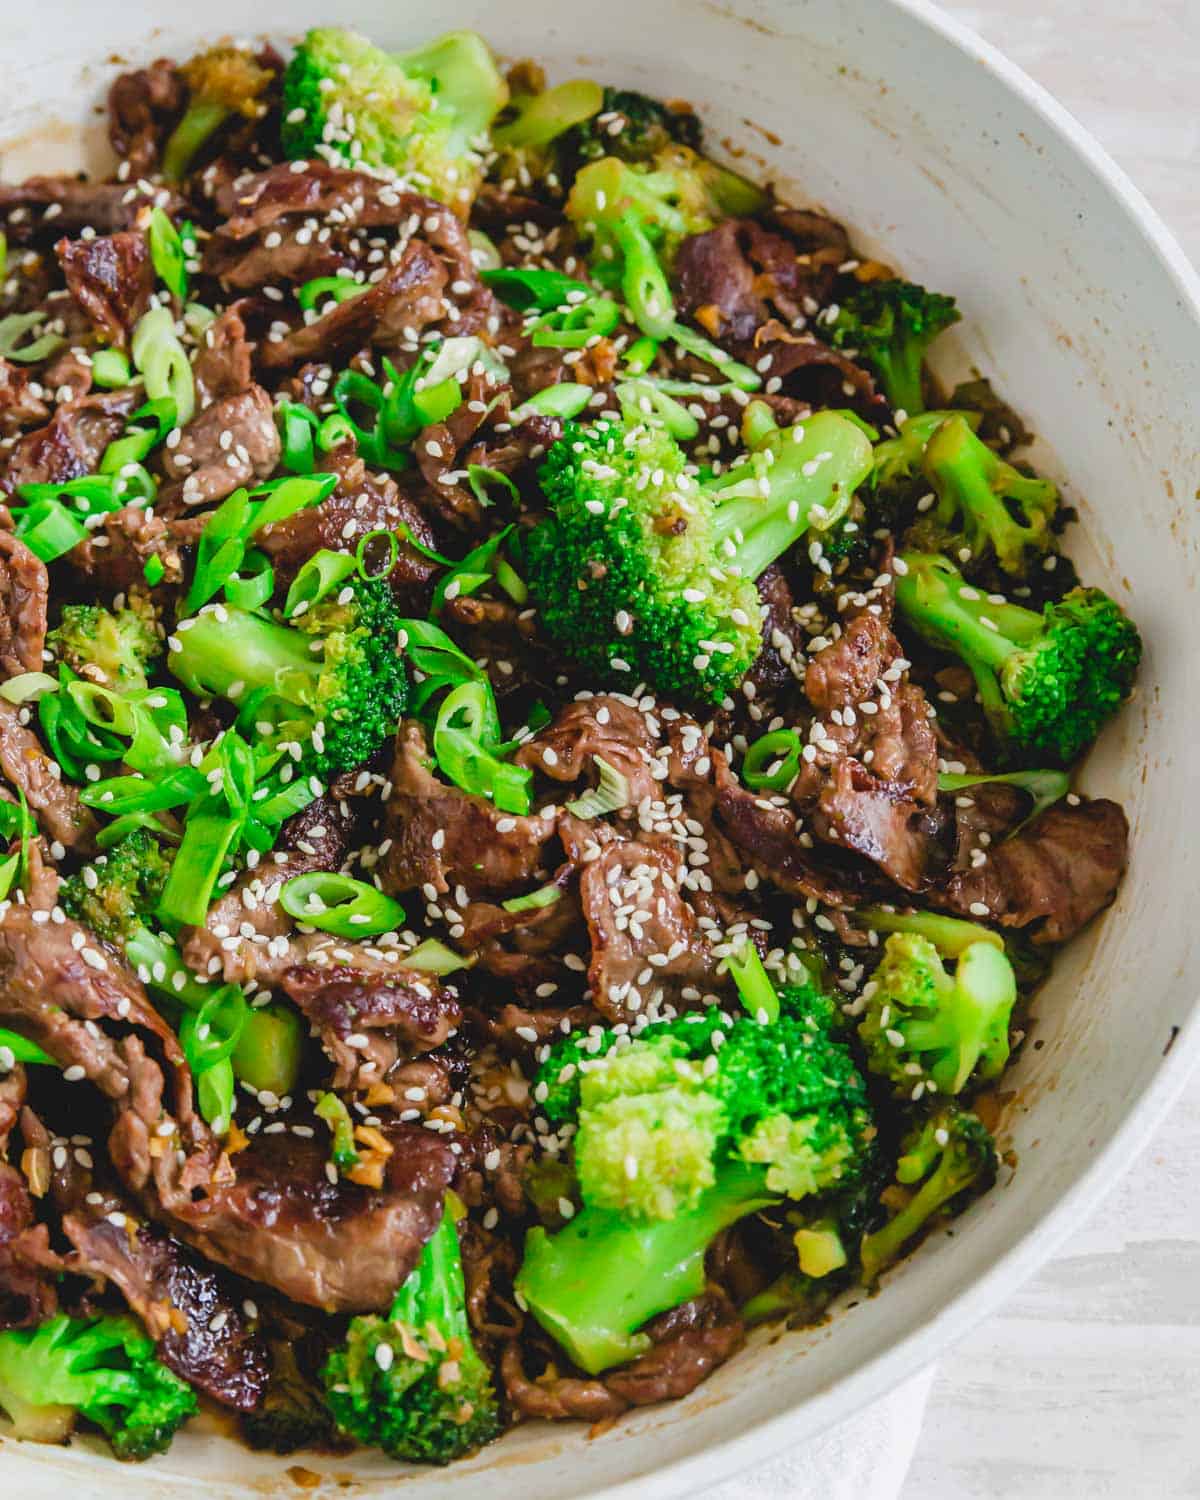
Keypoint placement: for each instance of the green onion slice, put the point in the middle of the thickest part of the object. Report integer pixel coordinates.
(773, 761)
(339, 904)
(610, 794)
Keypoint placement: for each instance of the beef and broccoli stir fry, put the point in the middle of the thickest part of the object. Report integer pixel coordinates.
(536, 755)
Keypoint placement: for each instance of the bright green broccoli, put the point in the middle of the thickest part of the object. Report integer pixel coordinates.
(890, 325)
(636, 218)
(634, 128)
(925, 1029)
(944, 1156)
(639, 563)
(423, 114)
(116, 648)
(1048, 682)
(101, 1369)
(985, 507)
(414, 1383)
(223, 82)
(529, 134)
(331, 682)
(681, 1131)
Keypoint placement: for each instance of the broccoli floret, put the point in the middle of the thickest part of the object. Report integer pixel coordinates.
(222, 82)
(890, 325)
(332, 681)
(423, 114)
(641, 564)
(116, 648)
(942, 1158)
(682, 1130)
(103, 1370)
(926, 1029)
(531, 133)
(634, 128)
(984, 506)
(414, 1383)
(120, 889)
(1048, 682)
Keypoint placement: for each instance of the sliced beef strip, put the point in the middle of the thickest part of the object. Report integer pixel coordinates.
(396, 1015)
(1052, 877)
(27, 1291)
(730, 278)
(111, 277)
(222, 366)
(280, 203)
(72, 442)
(57, 987)
(815, 372)
(143, 106)
(24, 593)
(602, 726)
(526, 948)
(874, 818)
(784, 643)
(188, 1307)
(690, 1341)
(19, 405)
(230, 444)
(361, 503)
(479, 851)
(246, 929)
(558, 1398)
(407, 299)
(648, 948)
(55, 803)
(113, 557)
(336, 1246)
(106, 207)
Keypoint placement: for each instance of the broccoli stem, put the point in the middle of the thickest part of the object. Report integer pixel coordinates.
(435, 1292)
(201, 119)
(985, 634)
(900, 376)
(951, 936)
(809, 472)
(972, 481)
(225, 648)
(270, 1050)
(595, 1283)
(954, 1172)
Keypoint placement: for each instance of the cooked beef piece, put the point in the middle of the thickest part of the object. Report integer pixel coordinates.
(392, 311)
(556, 1398)
(142, 108)
(71, 443)
(363, 502)
(222, 366)
(114, 555)
(730, 278)
(19, 405)
(526, 948)
(57, 986)
(246, 929)
(518, 1031)
(106, 207)
(367, 1023)
(486, 851)
(874, 818)
(812, 232)
(281, 204)
(690, 1341)
(772, 676)
(846, 672)
(27, 1291)
(603, 726)
(188, 1307)
(648, 948)
(24, 592)
(111, 277)
(230, 444)
(815, 372)
(1052, 877)
(336, 1246)
(55, 803)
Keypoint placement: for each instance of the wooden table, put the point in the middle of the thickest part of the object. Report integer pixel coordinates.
(1086, 1385)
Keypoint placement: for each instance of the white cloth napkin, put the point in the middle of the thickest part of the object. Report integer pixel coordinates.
(863, 1458)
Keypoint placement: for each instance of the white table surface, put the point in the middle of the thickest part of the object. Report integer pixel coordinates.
(1086, 1385)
